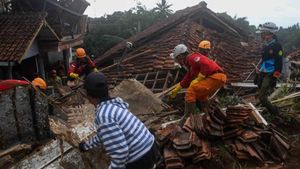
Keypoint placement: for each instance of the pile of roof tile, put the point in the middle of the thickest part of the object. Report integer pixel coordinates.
(235, 128)
(180, 145)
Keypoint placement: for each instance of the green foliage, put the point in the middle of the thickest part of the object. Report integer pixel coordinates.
(163, 8)
(229, 100)
(241, 22)
(290, 38)
(111, 29)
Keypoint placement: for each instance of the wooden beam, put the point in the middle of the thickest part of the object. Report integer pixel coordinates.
(252, 85)
(46, 155)
(167, 79)
(176, 76)
(156, 76)
(145, 78)
(15, 149)
(127, 59)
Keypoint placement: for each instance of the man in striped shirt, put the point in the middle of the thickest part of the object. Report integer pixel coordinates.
(125, 138)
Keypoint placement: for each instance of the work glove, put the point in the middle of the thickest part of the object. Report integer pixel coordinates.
(95, 70)
(175, 91)
(198, 79)
(74, 75)
(276, 74)
(81, 147)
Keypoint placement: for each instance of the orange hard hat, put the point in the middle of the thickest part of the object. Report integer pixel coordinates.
(205, 44)
(80, 53)
(39, 82)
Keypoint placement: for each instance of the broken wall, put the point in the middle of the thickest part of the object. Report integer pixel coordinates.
(23, 116)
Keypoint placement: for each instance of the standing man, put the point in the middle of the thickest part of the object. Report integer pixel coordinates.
(127, 141)
(203, 78)
(271, 64)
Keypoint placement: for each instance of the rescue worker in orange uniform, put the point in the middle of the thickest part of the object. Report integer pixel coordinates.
(40, 83)
(82, 66)
(203, 78)
(204, 47)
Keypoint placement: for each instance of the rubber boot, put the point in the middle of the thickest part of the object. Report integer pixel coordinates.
(189, 108)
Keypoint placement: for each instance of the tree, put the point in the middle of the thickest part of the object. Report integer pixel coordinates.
(111, 29)
(163, 8)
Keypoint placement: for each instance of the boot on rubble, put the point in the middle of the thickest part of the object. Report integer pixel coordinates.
(189, 108)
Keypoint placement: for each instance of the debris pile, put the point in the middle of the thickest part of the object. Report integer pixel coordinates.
(236, 129)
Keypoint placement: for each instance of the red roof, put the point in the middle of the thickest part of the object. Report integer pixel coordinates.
(17, 33)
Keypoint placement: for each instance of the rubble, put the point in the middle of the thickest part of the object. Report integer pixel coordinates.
(234, 128)
(140, 99)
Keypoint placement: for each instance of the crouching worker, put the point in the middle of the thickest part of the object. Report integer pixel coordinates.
(126, 140)
(203, 78)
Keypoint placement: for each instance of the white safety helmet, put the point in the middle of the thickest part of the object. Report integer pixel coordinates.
(179, 49)
(267, 27)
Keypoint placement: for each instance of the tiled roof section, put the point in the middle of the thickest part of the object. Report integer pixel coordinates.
(154, 30)
(17, 32)
(154, 55)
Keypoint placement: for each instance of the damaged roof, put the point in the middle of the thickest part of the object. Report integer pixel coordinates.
(234, 51)
(17, 33)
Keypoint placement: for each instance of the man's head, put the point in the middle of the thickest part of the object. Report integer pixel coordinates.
(53, 73)
(204, 47)
(180, 52)
(96, 87)
(39, 83)
(267, 31)
(80, 53)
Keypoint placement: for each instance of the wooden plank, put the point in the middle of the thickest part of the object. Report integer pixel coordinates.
(176, 77)
(257, 116)
(145, 78)
(125, 60)
(166, 81)
(291, 96)
(156, 76)
(252, 85)
(15, 149)
(43, 157)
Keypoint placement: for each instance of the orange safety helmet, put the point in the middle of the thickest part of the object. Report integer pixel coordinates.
(205, 44)
(80, 53)
(39, 82)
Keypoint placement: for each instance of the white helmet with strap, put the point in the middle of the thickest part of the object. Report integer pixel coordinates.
(267, 27)
(179, 49)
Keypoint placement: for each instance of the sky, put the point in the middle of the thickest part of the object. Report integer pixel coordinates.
(282, 12)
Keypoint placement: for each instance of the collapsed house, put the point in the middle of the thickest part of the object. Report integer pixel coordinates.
(35, 35)
(149, 62)
(149, 59)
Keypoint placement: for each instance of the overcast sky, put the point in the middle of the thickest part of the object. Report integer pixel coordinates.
(282, 12)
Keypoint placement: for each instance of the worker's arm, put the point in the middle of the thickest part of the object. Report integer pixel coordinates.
(184, 83)
(72, 71)
(91, 63)
(114, 143)
(278, 60)
(194, 69)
